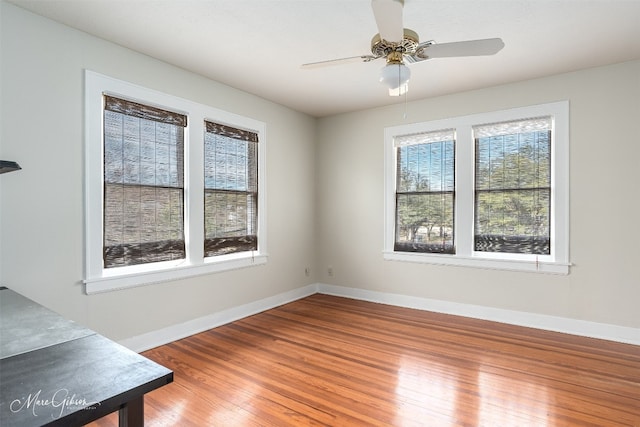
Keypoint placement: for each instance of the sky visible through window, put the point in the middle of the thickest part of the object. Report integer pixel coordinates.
(425, 196)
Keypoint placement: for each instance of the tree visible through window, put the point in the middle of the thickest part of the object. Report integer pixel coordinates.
(488, 190)
(166, 199)
(513, 187)
(425, 193)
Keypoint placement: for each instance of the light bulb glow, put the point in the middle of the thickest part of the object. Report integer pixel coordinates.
(399, 90)
(395, 77)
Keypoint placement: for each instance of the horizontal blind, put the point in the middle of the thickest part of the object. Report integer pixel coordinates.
(143, 184)
(231, 189)
(536, 124)
(425, 137)
(147, 112)
(425, 192)
(231, 132)
(513, 186)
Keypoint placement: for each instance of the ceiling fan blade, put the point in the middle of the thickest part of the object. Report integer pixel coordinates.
(388, 14)
(339, 61)
(449, 50)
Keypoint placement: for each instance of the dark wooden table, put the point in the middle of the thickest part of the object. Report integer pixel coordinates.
(55, 372)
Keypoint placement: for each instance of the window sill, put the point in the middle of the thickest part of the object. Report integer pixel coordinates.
(142, 278)
(477, 262)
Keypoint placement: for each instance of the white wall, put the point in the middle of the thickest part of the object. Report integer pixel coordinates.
(41, 227)
(604, 283)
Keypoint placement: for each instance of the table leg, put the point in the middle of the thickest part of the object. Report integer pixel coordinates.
(132, 413)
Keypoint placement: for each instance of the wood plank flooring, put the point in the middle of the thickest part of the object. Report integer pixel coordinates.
(330, 361)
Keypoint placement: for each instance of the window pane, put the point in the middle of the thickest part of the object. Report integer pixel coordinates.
(425, 194)
(231, 183)
(142, 225)
(513, 221)
(230, 222)
(513, 187)
(143, 187)
(424, 223)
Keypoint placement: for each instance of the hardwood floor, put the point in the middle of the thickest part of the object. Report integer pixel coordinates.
(329, 361)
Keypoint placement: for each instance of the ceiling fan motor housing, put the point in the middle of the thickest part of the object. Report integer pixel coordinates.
(394, 51)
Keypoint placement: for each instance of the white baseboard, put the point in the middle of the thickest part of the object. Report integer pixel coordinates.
(532, 320)
(172, 333)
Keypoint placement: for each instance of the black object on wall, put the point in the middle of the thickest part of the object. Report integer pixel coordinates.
(8, 166)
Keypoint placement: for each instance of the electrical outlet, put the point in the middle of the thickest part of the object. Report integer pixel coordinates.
(307, 271)
(330, 271)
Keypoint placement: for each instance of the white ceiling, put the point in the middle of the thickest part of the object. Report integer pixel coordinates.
(258, 45)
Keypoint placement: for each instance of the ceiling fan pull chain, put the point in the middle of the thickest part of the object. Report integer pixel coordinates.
(404, 116)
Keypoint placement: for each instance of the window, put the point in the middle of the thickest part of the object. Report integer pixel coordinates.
(425, 192)
(174, 188)
(143, 184)
(231, 190)
(488, 190)
(513, 187)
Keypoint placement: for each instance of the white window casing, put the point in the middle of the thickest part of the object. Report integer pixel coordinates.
(557, 262)
(99, 279)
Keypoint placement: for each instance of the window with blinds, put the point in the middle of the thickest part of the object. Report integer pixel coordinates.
(513, 186)
(425, 192)
(508, 207)
(230, 190)
(143, 184)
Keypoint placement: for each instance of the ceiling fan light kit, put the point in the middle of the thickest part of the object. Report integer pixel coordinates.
(396, 77)
(398, 44)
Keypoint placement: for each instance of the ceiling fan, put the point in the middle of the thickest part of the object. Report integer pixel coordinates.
(398, 44)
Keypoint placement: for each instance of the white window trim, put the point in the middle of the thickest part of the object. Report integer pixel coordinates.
(98, 279)
(557, 262)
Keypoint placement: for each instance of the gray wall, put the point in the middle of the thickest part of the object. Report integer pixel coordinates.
(604, 283)
(325, 191)
(41, 226)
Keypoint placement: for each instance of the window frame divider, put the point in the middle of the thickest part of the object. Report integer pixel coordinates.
(556, 263)
(463, 220)
(98, 279)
